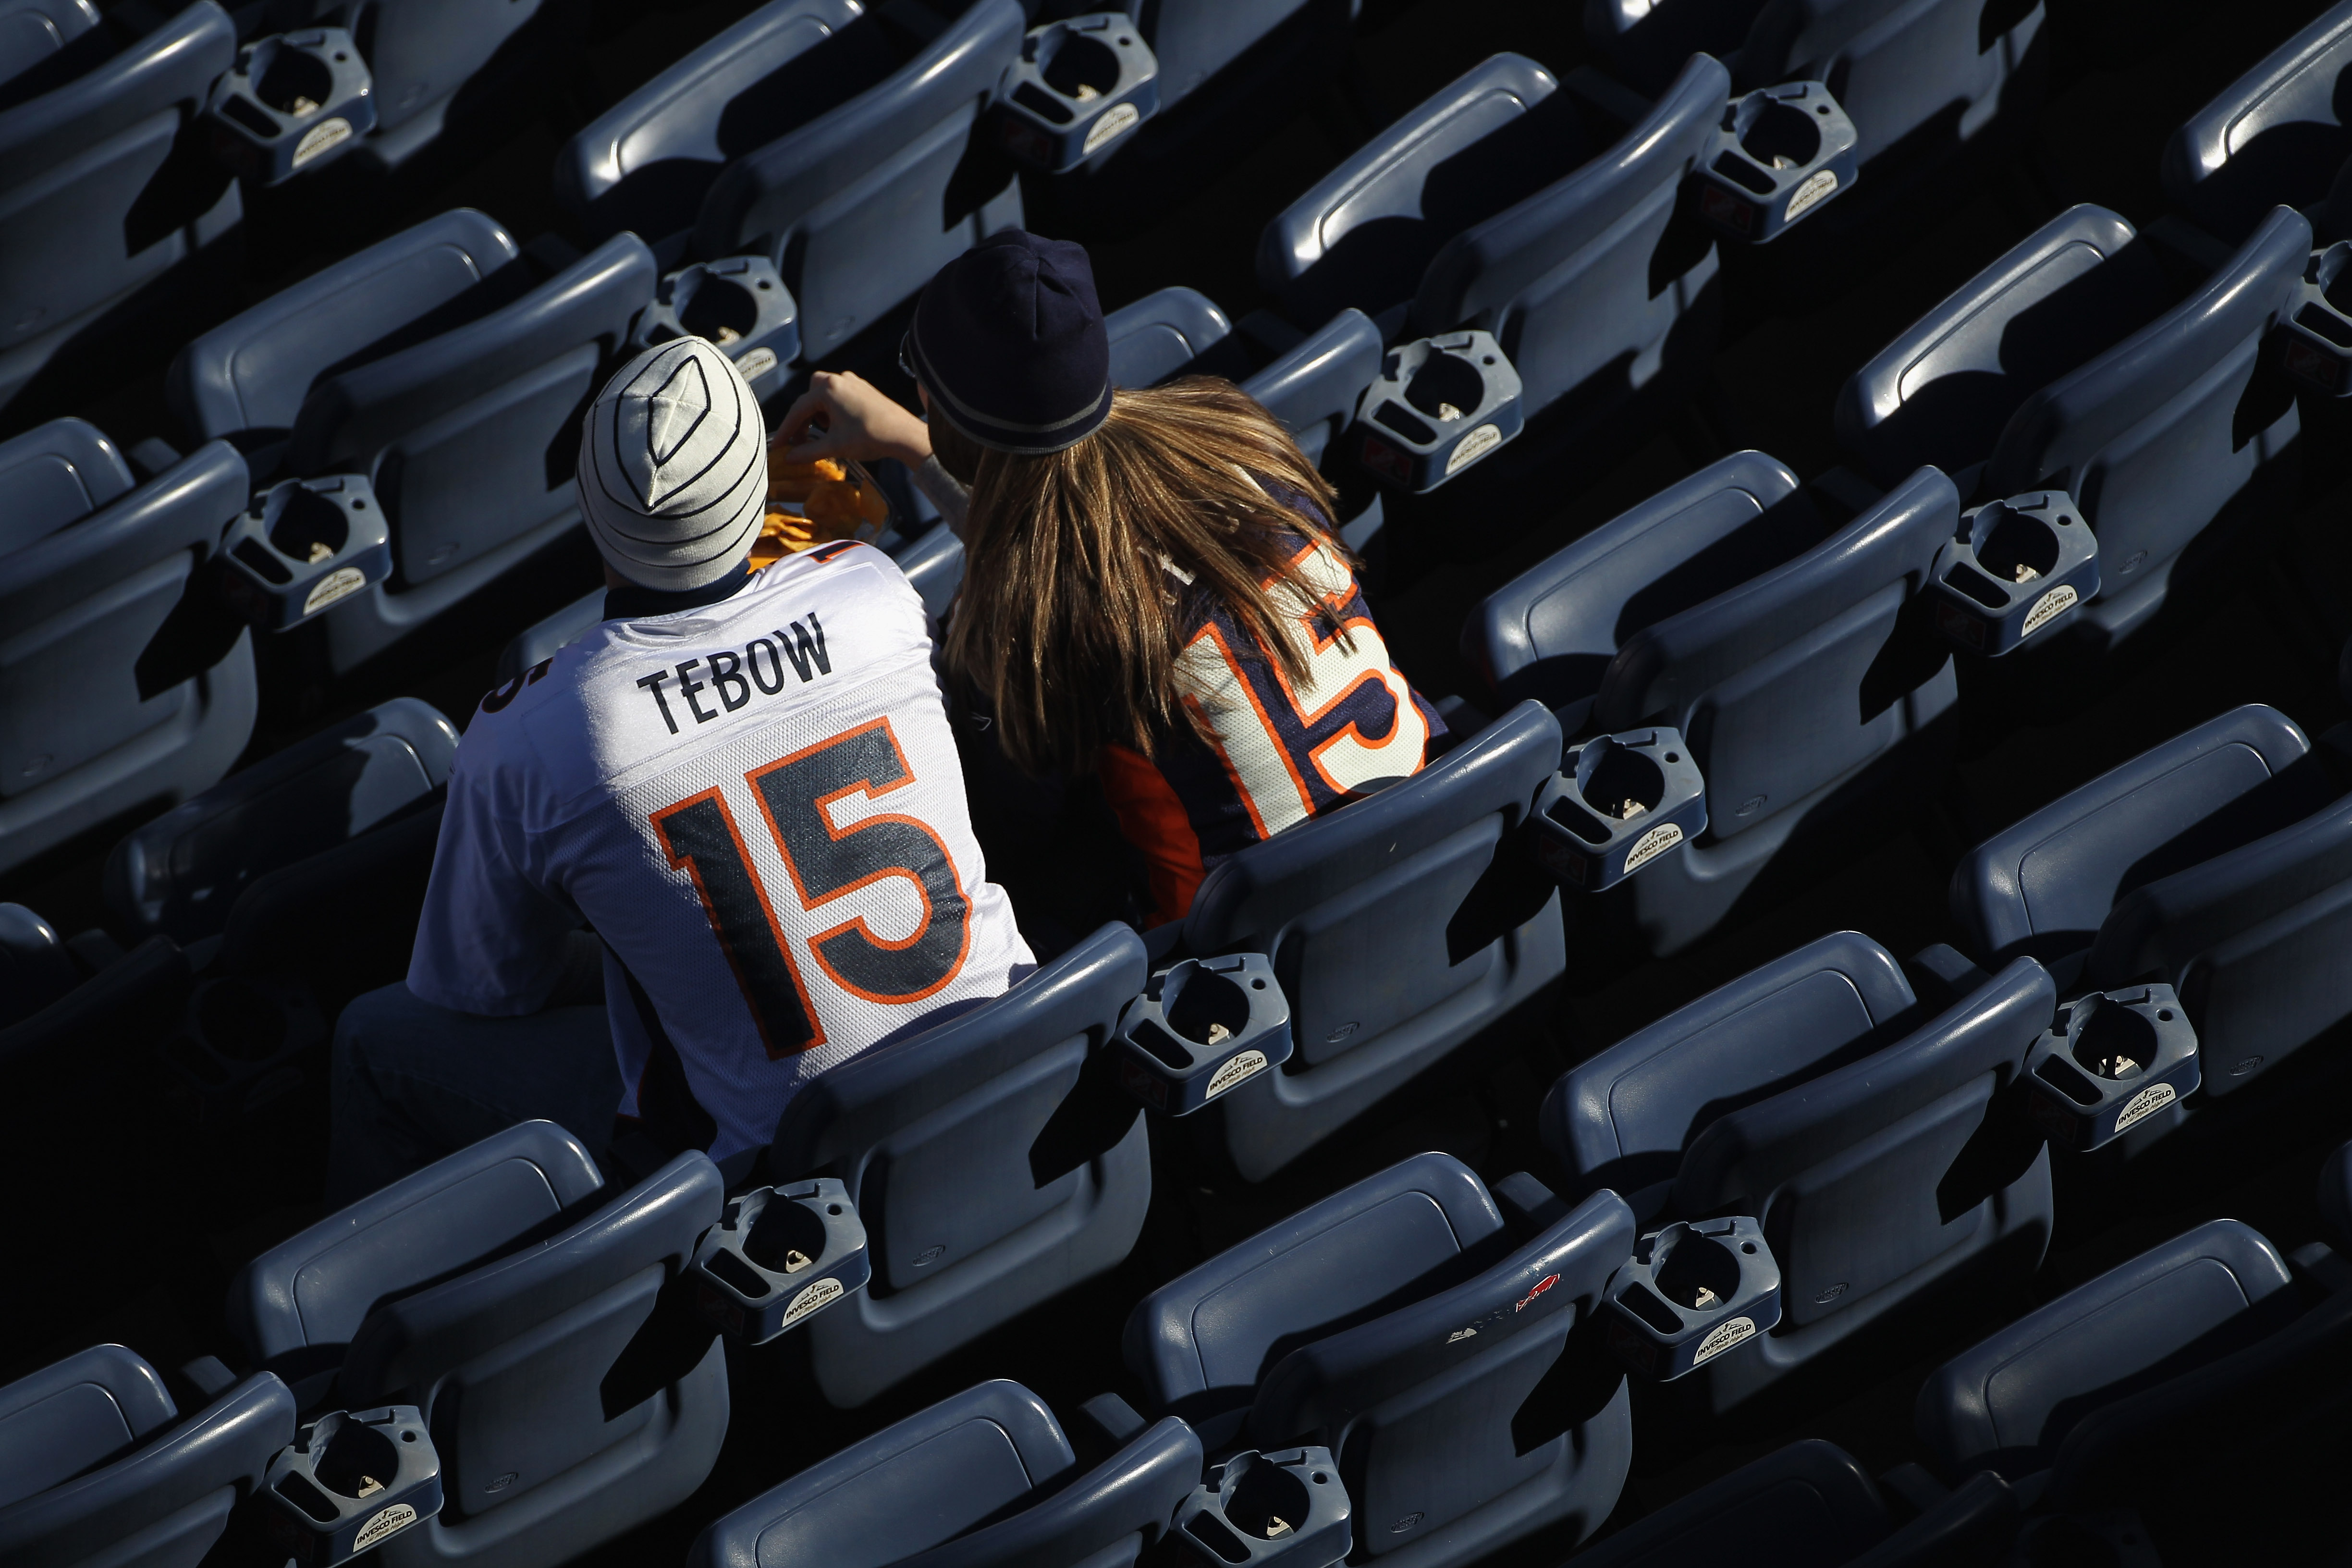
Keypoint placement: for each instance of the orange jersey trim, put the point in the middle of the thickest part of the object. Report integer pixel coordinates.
(1153, 819)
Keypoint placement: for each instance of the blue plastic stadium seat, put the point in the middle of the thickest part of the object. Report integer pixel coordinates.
(1563, 246)
(1339, 1327)
(2336, 1195)
(33, 32)
(1625, 1118)
(2274, 137)
(97, 205)
(454, 1290)
(2008, 1402)
(1312, 388)
(1645, 42)
(983, 1479)
(1400, 927)
(92, 1470)
(180, 874)
(1808, 1505)
(990, 1168)
(440, 364)
(2219, 863)
(861, 205)
(1873, 1167)
(118, 689)
(2061, 365)
(1176, 332)
(1780, 647)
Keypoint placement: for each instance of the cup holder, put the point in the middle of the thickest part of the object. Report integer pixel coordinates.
(2017, 567)
(1690, 1293)
(1079, 85)
(350, 1481)
(1618, 803)
(304, 546)
(291, 101)
(238, 1044)
(1205, 1026)
(740, 306)
(2108, 1063)
(778, 1255)
(2316, 337)
(1779, 153)
(1438, 406)
(1287, 1507)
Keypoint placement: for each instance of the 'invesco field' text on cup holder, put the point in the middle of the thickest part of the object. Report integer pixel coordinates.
(1204, 1028)
(778, 1257)
(1440, 405)
(349, 1480)
(292, 101)
(2109, 1062)
(2017, 567)
(1691, 1292)
(1618, 803)
(1079, 85)
(738, 304)
(303, 547)
(1779, 153)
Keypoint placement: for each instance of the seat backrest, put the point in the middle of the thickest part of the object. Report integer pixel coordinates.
(1857, 1174)
(1645, 42)
(956, 1139)
(421, 53)
(1203, 1343)
(1550, 632)
(1363, 234)
(167, 1500)
(2043, 885)
(470, 437)
(84, 668)
(516, 1354)
(645, 163)
(1893, 66)
(54, 475)
(1104, 1516)
(34, 32)
(2273, 137)
(250, 374)
(1423, 1439)
(181, 873)
(1313, 389)
(1622, 1119)
(296, 1307)
(1160, 335)
(2007, 1403)
(860, 206)
(1584, 273)
(1811, 1500)
(1797, 677)
(36, 968)
(935, 1475)
(75, 1415)
(2155, 435)
(343, 920)
(77, 164)
(1942, 391)
(1194, 39)
(2253, 939)
(1381, 916)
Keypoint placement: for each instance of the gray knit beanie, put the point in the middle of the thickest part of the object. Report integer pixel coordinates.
(673, 466)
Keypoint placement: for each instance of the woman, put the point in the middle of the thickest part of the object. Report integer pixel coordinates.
(1153, 591)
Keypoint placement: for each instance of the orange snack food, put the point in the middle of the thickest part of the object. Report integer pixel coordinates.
(794, 482)
(834, 502)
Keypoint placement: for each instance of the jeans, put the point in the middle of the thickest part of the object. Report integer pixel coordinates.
(414, 1082)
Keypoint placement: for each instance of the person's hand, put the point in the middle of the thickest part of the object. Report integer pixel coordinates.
(842, 416)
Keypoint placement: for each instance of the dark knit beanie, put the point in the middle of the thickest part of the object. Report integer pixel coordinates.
(1008, 340)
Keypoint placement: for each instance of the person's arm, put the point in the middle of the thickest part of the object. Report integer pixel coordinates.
(491, 941)
(843, 415)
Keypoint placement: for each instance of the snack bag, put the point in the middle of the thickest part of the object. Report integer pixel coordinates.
(816, 503)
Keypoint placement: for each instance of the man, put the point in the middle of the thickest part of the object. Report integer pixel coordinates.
(743, 782)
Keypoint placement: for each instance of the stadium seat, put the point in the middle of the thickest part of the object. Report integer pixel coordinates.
(1778, 644)
(859, 206)
(983, 1479)
(2219, 863)
(1399, 928)
(1340, 1326)
(1311, 387)
(180, 874)
(1808, 1505)
(992, 1169)
(2007, 1403)
(2275, 137)
(566, 1403)
(104, 188)
(33, 32)
(121, 686)
(446, 368)
(1878, 1169)
(2068, 364)
(1491, 206)
(93, 1471)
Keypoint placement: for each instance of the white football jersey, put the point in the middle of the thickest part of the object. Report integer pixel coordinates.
(758, 805)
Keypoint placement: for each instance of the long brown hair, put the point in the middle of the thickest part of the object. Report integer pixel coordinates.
(1069, 622)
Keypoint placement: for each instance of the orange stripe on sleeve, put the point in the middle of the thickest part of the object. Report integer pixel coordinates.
(1154, 820)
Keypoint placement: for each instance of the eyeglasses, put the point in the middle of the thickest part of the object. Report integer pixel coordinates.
(907, 356)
